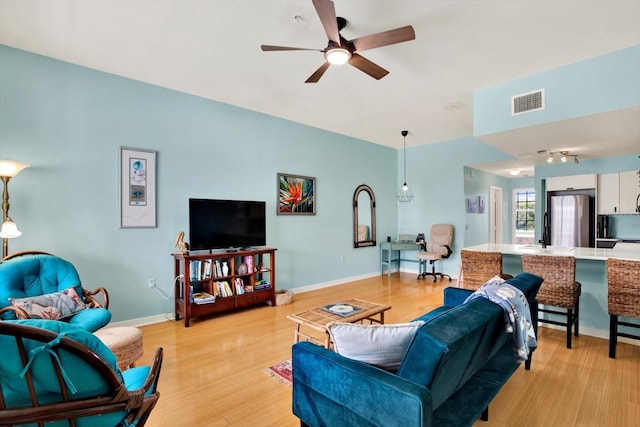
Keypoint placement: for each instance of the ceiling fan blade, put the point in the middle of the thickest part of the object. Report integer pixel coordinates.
(269, 48)
(363, 64)
(385, 38)
(318, 73)
(327, 12)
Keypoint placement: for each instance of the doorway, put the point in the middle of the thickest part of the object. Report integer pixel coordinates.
(495, 215)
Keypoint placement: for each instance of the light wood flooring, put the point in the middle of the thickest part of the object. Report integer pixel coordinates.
(213, 371)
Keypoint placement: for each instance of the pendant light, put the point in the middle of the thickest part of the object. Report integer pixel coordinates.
(405, 194)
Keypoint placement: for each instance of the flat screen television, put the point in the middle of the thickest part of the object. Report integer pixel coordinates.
(228, 224)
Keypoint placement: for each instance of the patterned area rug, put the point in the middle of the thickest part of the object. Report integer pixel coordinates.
(281, 371)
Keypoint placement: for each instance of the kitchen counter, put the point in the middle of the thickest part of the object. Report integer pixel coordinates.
(591, 272)
(622, 250)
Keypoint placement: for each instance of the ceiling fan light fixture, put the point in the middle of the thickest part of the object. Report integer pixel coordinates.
(337, 55)
(550, 158)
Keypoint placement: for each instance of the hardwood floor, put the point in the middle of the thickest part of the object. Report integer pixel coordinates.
(213, 371)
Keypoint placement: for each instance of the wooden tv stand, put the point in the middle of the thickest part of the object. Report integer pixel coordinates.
(250, 279)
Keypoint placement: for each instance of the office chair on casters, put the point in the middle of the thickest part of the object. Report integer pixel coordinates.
(438, 247)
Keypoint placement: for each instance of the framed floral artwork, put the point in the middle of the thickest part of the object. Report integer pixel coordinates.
(296, 195)
(137, 188)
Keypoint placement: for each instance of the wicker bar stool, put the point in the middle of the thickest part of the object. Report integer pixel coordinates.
(559, 289)
(479, 267)
(623, 297)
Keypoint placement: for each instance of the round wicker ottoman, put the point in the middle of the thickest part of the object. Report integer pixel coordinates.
(125, 342)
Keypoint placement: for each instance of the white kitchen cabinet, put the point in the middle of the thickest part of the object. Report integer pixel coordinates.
(608, 193)
(571, 182)
(629, 191)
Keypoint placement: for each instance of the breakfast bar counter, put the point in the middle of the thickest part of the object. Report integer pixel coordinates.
(591, 272)
(630, 251)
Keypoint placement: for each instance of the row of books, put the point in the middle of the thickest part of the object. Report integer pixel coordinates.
(223, 289)
(206, 269)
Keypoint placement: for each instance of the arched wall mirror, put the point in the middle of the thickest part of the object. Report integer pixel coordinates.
(364, 217)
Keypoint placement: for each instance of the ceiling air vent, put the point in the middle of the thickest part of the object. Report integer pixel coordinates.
(527, 102)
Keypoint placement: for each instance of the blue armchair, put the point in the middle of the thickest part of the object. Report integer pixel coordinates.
(57, 374)
(40, 285)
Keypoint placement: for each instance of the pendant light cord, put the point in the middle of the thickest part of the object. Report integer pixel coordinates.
(404, 137)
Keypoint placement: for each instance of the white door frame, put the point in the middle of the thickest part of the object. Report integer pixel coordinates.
(495, 215)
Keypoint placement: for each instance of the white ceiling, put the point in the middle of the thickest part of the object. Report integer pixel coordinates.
(212, 49)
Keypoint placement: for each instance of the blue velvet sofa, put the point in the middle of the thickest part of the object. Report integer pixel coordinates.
(455, 365)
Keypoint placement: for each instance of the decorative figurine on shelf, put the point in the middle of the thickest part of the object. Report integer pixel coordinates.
(183, 247)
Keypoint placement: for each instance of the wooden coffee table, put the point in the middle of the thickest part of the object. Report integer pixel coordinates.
(317, 319)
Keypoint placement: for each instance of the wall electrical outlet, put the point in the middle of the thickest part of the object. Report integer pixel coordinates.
(151, 282)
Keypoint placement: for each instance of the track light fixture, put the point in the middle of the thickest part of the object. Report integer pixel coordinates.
(564, 156)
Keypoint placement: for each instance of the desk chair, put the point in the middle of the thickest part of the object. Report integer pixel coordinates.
(623, 297)
(559, 289)
(438, 247)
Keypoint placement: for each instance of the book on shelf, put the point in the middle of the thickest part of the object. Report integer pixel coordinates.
(218, 272)
(239, 286)
(228, 289)
(203, 298)
(194, 267)
(224, 290)
(207, 269)
(261, 284)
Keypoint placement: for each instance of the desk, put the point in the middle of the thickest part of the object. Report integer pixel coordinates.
(390, 248)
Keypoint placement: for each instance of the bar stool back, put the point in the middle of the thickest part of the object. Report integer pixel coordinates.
(559, 289)
(623, 297)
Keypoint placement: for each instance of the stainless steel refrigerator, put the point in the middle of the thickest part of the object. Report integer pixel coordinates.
(570, 220)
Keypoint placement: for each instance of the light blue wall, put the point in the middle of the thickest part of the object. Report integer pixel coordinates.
(68, 123)
(478, 183)
(435, 173)
(605, 83)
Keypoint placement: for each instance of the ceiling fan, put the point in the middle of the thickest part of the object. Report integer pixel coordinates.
(341, 51)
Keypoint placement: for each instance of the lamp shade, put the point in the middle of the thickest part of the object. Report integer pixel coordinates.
(10, 168)
(9, 229)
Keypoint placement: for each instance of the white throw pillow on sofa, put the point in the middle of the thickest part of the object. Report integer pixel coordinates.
(380, 345)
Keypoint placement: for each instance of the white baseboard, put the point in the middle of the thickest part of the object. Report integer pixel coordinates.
(342, 281)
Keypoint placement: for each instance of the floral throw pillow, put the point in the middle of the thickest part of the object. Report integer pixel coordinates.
(55, 306)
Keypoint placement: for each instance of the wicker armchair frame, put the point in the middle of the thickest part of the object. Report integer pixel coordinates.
(559, 289)
(623, 298)
(136, 403)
